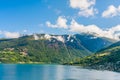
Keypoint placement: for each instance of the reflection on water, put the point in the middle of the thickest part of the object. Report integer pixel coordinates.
(53, 72)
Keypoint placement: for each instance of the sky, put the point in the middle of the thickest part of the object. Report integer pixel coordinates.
(100, 17)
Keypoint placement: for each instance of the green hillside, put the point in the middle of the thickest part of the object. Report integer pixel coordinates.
(27, 49)
(106, 59)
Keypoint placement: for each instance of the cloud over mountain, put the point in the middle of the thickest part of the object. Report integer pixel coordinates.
(113, 32)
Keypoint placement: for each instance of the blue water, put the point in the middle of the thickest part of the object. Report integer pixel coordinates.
(52, 72)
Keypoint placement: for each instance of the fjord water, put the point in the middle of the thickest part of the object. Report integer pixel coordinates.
(52, 72)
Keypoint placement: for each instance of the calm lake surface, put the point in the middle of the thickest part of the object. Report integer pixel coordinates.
(52, 72)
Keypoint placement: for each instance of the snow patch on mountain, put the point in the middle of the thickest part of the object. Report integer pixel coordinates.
(59, 38)
(94, 37)
(71, 40)
(36, 37)
(68, 38)
(47, 36)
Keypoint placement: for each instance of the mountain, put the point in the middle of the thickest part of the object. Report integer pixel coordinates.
(94, 43)
(50, 48)
(105, 59)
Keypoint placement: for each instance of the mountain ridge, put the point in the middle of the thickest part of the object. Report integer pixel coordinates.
(51, 48)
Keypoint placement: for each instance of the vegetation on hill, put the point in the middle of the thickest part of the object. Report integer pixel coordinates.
(27, 49)
(106, 59)
(44, 48)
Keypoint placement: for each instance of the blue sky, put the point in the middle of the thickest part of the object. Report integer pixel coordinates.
(30, 16)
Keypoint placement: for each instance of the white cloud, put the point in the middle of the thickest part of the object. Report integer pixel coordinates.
(60, 23)
(113, 33)
(11, 34)
(111, 11)
(86, 7)
(82, 28)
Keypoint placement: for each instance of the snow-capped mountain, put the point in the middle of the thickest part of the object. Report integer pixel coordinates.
(90, 42)
(53, 48)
